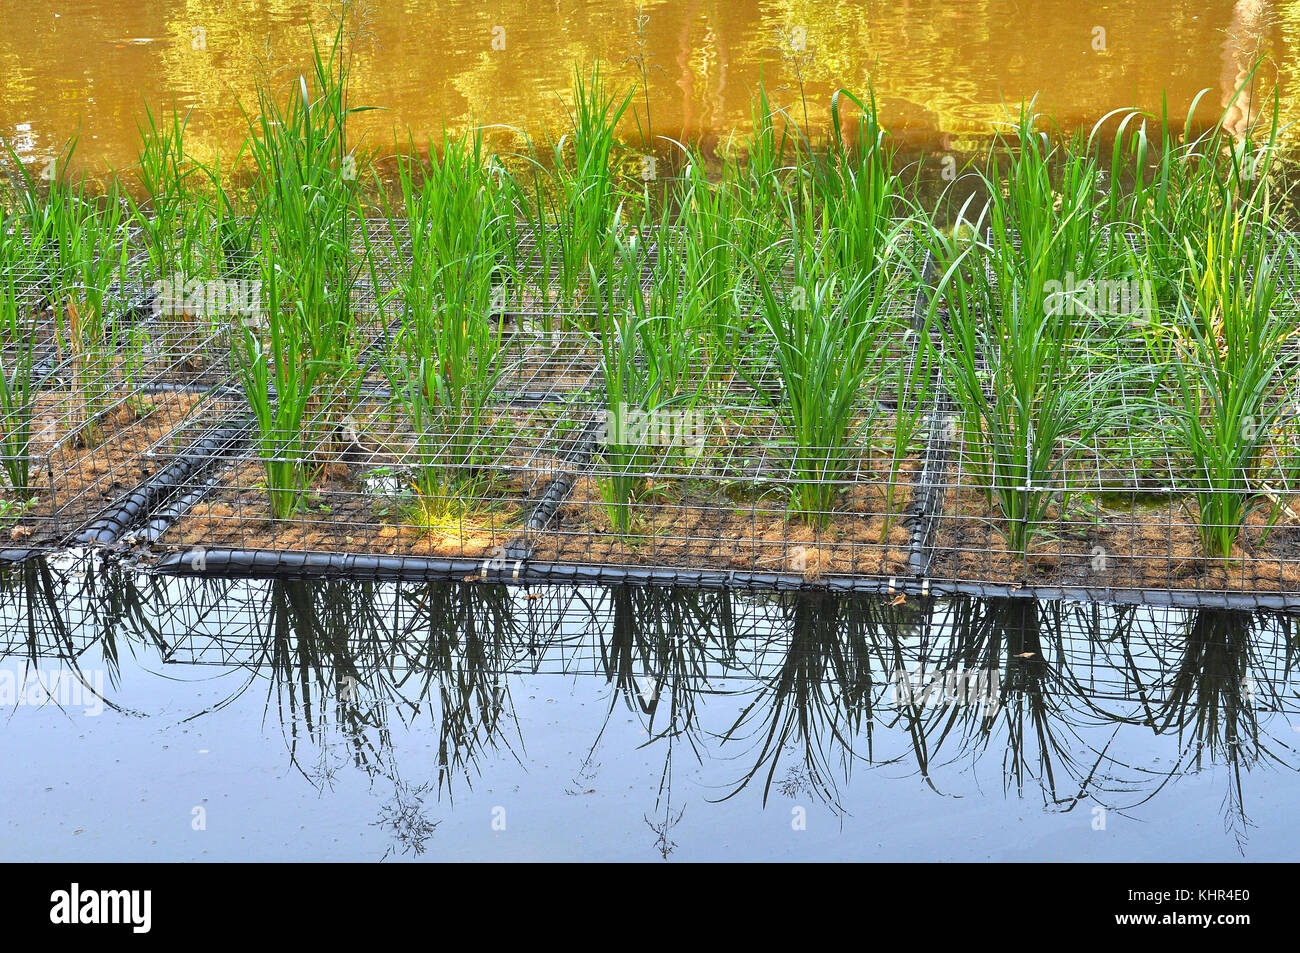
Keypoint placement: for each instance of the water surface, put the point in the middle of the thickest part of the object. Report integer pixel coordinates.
(344, 720)
(943, 71)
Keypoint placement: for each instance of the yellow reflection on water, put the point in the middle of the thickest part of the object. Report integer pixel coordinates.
(943, 70)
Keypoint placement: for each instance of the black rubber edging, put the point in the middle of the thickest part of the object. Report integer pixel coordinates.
(220, 563)
(724, 579)
(267, 564)
(242, 563)
(160, 518)
(519, 550)
(136, 506)
(270, 564)
(1176, 598)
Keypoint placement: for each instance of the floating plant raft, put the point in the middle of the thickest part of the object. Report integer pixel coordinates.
(776, 368)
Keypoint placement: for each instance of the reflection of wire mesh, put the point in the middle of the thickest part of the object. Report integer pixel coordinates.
(1125, 655)
(812, 673)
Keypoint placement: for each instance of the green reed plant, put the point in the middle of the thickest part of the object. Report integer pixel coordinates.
(591, 191)
(706, 214)
(675, 344)
(1172, 185)
(444, 362)
(828, 340)
(279, 376)
(234, 228)
(14, 243)
(908, 384)
(899, 366)
(307, 189)
(1235, 372)
(760, 188)
(87, 236)
(31, 213)
(458, 214)
(627, 390)
(1017, 346)
(857, 189)
(643, 362)
(575, 202)
(177, 218)
(18, 388)
(1162, 188)
(172, 213)
(13, 246)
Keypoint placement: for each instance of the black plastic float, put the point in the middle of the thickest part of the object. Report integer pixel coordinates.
(136, 506)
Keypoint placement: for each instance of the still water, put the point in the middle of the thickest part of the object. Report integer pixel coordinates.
(150, 718)
(943, 70)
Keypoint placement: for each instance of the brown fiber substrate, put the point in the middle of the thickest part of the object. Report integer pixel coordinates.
(704, 533)
(1145, 547)
(78, 483)
(342, 518)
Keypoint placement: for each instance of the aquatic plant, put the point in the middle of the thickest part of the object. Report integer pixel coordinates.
(306, 186)
(1234, 372)
(573, 207)
(1166, 188)
(87, 235)
(18, 388)
(643, 363)
(1017, 346)
(172, 213)
(857, 189)
(907, 384)
(706, 216)
(827, 339)
(443, 363)
(179, 218)
(278, 376)
(762, 217)
(675, 340)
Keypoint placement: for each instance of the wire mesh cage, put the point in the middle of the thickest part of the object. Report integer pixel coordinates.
(373, 484)
(556, 461)
(550, 456)
(1170, 474)
(1124, 512)
(90, 403)
(726, 485)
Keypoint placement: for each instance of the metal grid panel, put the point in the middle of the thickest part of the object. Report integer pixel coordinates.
(912, 505)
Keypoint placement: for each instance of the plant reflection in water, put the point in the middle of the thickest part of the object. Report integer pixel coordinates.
(777, 694)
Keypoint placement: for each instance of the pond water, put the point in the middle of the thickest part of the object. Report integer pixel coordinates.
(148, 718)
(943, 72)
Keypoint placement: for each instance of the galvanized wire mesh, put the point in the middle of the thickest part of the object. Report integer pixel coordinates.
(529, 482)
